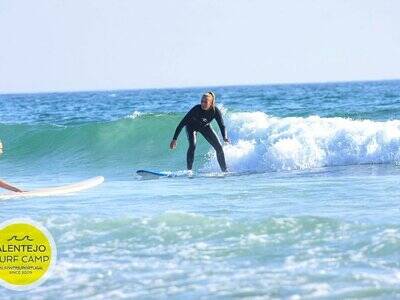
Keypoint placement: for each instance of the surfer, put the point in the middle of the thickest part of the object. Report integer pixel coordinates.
(4, 184)
(199, 119)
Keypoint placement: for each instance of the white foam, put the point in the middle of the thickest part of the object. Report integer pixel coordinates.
(134, 115)
(264, 143)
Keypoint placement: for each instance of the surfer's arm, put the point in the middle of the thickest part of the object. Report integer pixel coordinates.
(179, 128)
(182, 123)
(220, 121)
(7, 186)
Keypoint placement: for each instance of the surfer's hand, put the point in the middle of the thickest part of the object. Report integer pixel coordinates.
(15, 189)
(172, 145)
(226, 140)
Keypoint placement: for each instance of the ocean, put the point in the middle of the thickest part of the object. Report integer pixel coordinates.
(310, 209)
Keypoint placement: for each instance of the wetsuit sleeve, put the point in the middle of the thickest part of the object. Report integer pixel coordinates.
(182, 123)
(220, 121)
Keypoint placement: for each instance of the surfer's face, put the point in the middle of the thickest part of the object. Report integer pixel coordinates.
(206, 102)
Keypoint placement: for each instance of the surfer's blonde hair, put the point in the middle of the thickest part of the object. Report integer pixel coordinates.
(210, 94)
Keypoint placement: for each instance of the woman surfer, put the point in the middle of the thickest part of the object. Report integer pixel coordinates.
(198, 119)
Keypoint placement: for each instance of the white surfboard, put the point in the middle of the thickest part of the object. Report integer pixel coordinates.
(58, 190)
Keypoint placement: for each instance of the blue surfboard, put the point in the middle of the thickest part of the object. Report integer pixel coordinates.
(146, 174)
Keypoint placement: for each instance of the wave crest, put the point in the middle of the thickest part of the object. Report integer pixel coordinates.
(264, 143)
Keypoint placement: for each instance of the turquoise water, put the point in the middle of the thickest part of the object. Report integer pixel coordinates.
(310, 211)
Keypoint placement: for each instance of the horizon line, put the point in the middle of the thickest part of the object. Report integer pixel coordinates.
(193, 87)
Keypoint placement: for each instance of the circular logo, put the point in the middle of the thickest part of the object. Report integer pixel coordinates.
(27, 254)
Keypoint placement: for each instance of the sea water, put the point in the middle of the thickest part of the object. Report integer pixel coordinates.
(310, 209)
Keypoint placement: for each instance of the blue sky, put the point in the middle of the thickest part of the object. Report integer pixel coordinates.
(95, 45)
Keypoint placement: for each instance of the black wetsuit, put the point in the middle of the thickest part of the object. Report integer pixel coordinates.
(198, 119)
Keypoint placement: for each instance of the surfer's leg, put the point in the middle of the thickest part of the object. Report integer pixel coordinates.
(211, 137)
(191, 135)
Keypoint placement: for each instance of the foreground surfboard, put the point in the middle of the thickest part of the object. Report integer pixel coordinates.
(56, 191)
